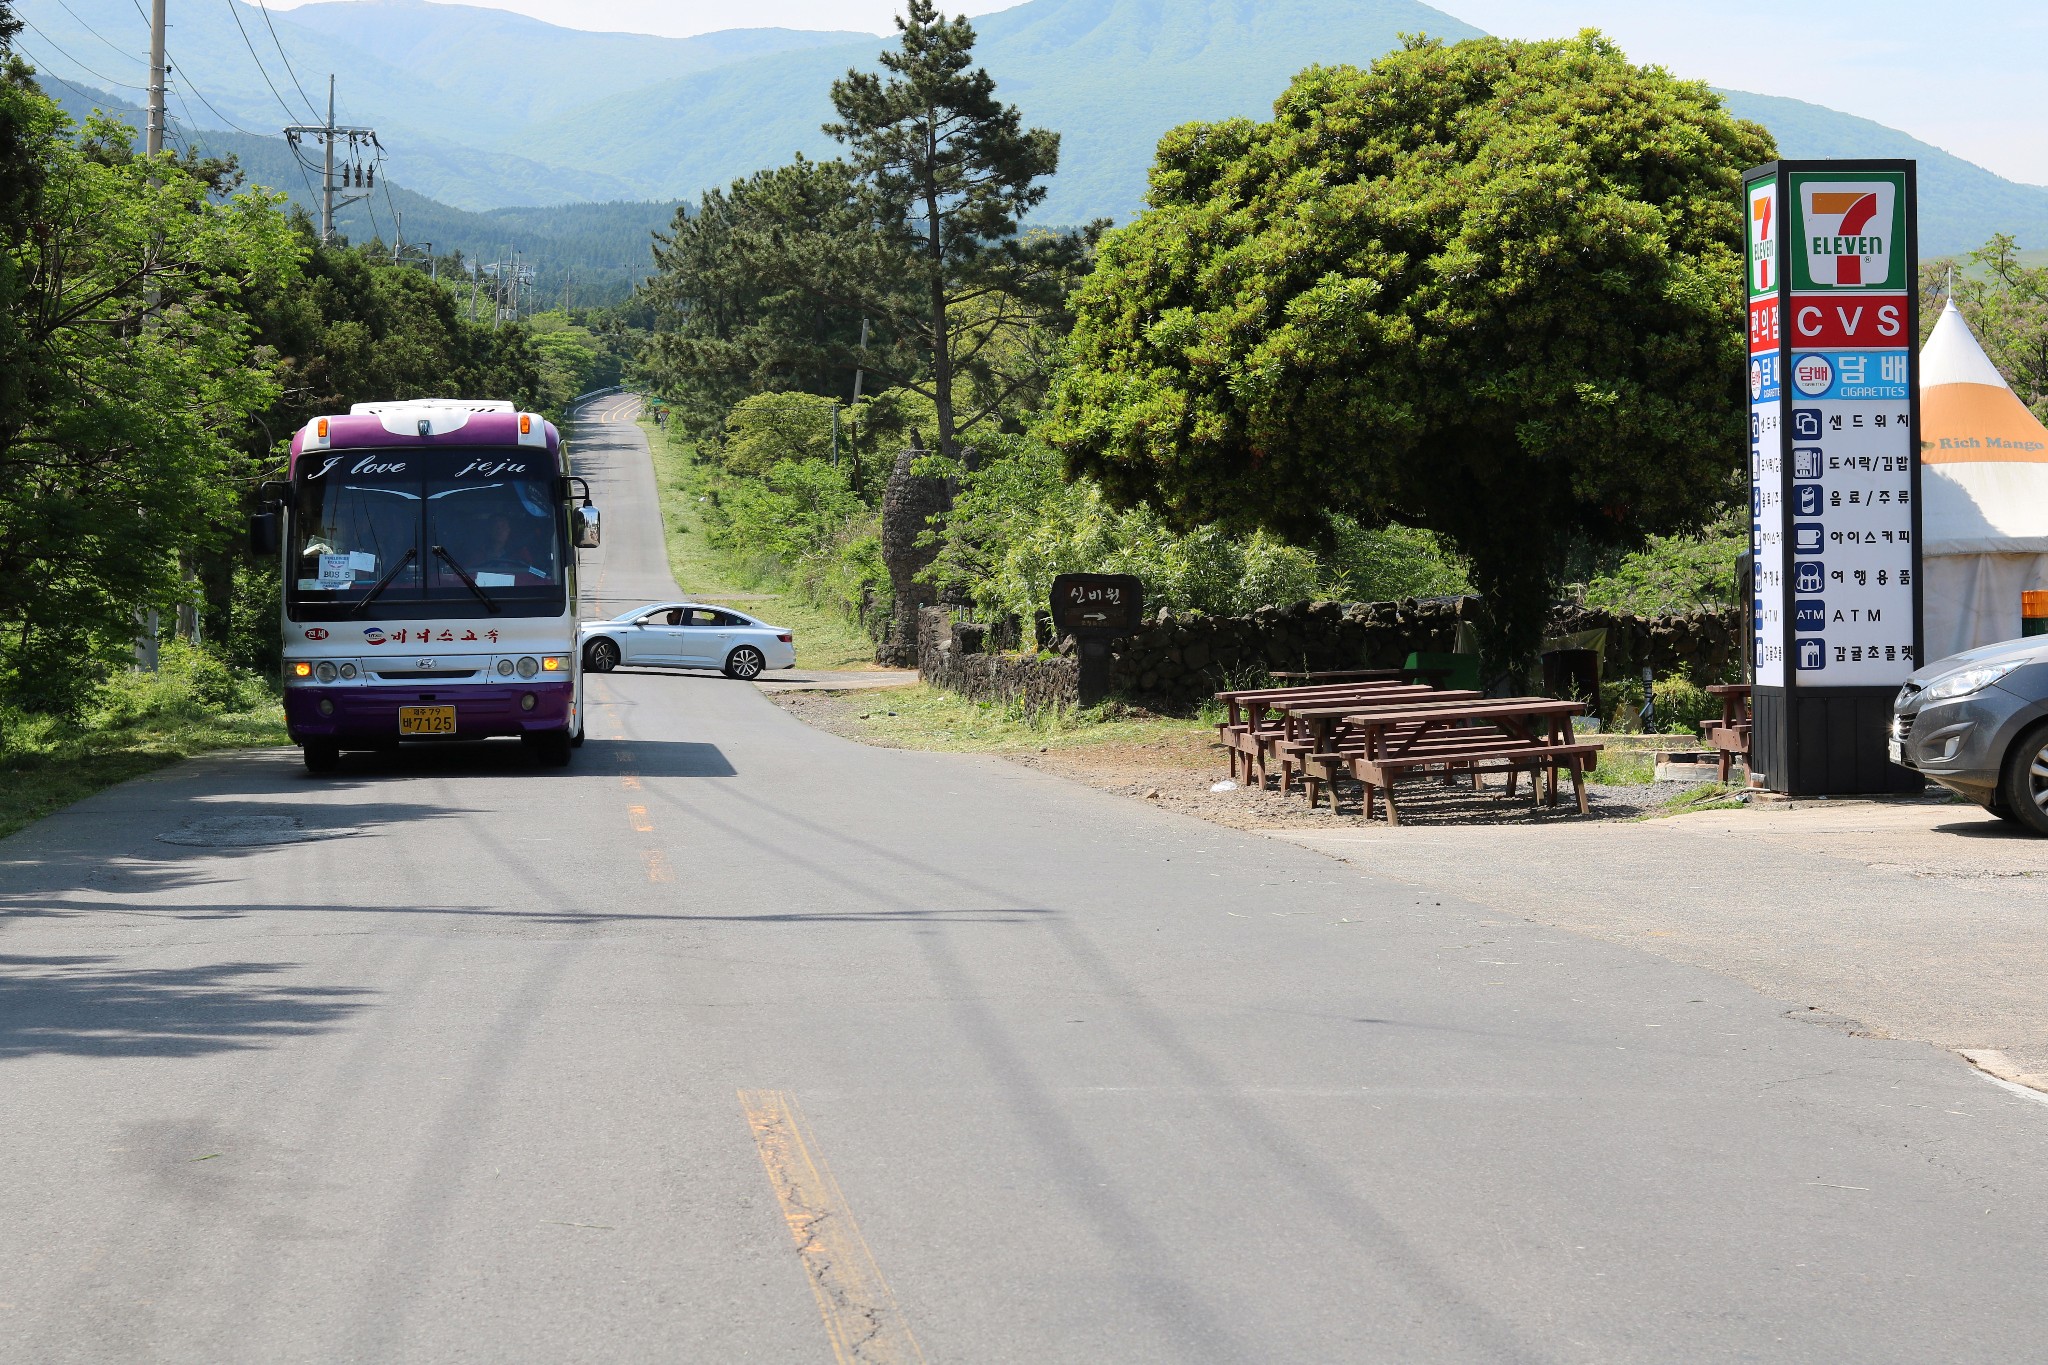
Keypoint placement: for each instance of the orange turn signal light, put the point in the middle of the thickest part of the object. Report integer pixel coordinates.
(302, 670)
(526, 424)
(551, 665)
(321, 428)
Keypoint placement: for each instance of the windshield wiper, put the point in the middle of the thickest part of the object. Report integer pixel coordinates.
(489, 601)
(410, 554)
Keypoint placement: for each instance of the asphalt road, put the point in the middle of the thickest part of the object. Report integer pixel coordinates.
(737, 1041)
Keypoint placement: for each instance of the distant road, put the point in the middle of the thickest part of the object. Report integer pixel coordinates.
(739, 1041)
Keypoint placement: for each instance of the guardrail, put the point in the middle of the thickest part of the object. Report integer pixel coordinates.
(595, 393)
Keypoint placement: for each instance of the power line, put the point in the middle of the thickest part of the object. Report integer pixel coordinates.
(75, 62)
(96, 33)
(236, 11)
(287, 60)
(89, 96)
(215, 112)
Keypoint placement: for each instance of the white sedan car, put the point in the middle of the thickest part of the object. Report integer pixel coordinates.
(687, 635)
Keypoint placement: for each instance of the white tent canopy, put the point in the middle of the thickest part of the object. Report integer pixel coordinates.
(1983, 494)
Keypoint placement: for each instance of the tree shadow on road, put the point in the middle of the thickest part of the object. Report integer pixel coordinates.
(84, 1006)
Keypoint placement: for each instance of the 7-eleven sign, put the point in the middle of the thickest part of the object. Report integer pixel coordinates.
(1763, 238)
(1849, 231)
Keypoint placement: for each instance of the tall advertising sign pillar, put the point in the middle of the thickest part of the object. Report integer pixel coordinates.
(1834, 459)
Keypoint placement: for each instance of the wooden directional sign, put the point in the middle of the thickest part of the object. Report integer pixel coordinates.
(1097, 605)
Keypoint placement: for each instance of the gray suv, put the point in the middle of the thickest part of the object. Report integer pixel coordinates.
(1977, 723)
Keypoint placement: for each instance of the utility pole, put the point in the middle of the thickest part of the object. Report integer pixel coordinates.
(153, 136)
(147, 643)
(335, 186)
(327, 176)
(506, 277)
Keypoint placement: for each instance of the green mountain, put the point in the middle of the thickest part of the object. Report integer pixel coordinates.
(1961, 203)
(584, 254)
(1109, 75)
(453, 91)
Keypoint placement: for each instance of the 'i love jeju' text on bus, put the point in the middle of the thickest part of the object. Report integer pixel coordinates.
(429, 560)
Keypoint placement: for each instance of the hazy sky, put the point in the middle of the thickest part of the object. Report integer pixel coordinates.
(1970, 76)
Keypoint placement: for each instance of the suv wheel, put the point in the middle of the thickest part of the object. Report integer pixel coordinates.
(2023, 789)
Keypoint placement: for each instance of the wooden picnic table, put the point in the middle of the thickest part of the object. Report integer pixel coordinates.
(1489, 735)
(1495, 734)
(1342, 675)
(1308, 727)
(1248, 730)
(1730, 734)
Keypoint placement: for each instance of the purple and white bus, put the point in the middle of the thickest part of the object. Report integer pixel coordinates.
(429, 558)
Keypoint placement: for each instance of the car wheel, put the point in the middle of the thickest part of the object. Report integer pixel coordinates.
(2023, 789)
(322, 756)
(745, 663)
(601, 655)
(550, 748)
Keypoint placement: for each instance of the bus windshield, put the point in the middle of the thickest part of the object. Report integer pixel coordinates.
(443, 534)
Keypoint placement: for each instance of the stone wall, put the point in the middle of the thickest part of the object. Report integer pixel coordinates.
(1176, 661)
(950, 654)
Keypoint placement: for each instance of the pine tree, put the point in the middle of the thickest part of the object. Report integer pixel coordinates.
(947, 173)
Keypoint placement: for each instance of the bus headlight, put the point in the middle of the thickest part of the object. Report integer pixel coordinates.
(348, 672)
(528, 666)
(326, 672)
(505, 667)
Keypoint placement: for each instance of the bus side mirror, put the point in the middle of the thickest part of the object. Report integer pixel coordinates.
(263, 540)
(588, 530)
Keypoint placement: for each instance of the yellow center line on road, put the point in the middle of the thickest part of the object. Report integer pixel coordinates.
(860, 1312)
(637, 815)
(630, 781)
(658, 869)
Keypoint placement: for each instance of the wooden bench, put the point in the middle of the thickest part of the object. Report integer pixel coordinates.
(1510, 735)
(1731, 733)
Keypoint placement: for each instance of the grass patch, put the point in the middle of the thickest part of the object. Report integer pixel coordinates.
(925, 717)
(1705, 796)
(142, 722)
(824, 637)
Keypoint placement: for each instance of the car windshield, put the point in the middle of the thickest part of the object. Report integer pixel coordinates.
(440, 534)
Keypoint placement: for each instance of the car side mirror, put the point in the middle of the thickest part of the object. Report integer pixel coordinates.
(263, 539)
(589, 531)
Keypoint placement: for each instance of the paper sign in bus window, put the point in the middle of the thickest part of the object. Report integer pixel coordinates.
(336, 571)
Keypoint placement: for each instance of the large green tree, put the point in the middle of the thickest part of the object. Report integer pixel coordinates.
(743, 297)
(131, 378)
(1490, 289)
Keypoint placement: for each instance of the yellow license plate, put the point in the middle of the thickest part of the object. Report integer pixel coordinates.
(426, 720)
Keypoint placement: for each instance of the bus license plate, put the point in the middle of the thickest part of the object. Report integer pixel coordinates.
(426, 720)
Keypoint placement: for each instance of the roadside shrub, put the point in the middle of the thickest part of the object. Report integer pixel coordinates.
(190, 681)
(1681, 705)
